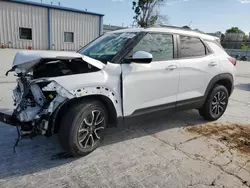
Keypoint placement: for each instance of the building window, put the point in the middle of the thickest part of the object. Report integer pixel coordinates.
(25, 33)
(68, 37)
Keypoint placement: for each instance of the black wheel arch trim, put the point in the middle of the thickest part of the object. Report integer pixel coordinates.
(216, 79)
(54, 121)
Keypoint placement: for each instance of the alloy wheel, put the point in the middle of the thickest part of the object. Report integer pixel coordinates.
(219, 103)
(89, 133)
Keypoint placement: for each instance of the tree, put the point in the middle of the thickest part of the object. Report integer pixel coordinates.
(147, 12)
(234, 30)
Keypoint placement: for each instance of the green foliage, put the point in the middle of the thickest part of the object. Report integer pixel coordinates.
(234, 30)
(146, 12)
(244, 47)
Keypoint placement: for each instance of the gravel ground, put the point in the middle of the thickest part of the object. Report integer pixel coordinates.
(179, 150)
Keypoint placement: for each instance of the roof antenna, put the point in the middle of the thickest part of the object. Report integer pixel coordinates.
(41, 1)
(51, 3)
(190, 23)
(59, 4)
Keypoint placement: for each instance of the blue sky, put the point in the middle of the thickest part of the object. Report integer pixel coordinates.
(206, 15)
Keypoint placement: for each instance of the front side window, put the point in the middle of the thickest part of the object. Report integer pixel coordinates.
(68, 37)
(191, 47)
(25, 33)
(107, 46)
(159, 45)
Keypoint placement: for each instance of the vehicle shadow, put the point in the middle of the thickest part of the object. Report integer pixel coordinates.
(245, 87)
(43, 153)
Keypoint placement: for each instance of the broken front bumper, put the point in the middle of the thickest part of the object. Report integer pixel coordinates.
(9, 119)
(35, 118)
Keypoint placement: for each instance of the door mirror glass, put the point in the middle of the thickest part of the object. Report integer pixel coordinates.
(141, 57)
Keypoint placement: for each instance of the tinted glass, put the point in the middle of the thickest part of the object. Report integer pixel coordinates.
(107, 46)
(159, 45)
(191, 47)
(25, 33)
(68, 37)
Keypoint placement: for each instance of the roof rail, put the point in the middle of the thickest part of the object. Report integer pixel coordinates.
(176, 27)
(170, 26)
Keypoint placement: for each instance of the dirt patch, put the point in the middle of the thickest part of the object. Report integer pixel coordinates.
(234, 135)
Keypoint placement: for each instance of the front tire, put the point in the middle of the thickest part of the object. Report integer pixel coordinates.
(215, 104)
(82, 127)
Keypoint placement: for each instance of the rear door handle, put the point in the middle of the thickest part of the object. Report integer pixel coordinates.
(171, 67)
(212, 64)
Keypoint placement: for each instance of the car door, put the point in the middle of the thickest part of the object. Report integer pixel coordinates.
(197, 67)
(147, 86)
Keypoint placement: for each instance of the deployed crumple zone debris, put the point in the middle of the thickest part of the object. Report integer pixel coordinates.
(53, 86)
(236, 136)
(31, 108)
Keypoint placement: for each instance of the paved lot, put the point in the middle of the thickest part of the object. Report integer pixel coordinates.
(153, 154)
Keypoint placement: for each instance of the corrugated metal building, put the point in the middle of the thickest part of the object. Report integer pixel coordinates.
(44, 26)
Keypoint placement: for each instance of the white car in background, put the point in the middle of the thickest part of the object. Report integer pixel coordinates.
(119, 78)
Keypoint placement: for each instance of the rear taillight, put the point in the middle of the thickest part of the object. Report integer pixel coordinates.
(232, 60)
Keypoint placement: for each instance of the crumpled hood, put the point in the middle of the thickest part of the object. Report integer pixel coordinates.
(25, 60)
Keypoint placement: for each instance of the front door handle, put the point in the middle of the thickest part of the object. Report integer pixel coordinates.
(212, 64)
(171, 67)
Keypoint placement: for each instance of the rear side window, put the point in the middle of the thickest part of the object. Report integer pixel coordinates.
(160, 45)
(191, 47)
(216, 47)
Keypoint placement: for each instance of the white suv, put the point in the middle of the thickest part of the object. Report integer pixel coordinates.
(118, 78)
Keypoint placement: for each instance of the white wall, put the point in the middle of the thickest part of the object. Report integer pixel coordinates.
(85, 28)
(15, 15)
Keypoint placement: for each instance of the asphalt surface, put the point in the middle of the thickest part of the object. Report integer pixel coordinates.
(158, 153)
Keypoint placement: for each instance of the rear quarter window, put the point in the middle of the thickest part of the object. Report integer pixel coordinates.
(216, 47)
(191, 47)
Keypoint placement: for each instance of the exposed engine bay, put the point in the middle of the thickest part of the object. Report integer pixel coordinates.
(55, 68)
(36, 97)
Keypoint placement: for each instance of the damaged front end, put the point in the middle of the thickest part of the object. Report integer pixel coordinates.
(35, 102)
(37, 95)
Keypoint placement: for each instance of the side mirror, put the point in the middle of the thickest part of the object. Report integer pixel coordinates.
(142, 57)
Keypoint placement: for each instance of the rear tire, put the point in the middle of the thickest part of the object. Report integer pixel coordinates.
(82, 127)
(215, 104)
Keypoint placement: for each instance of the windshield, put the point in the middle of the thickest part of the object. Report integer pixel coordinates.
(107, 46)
